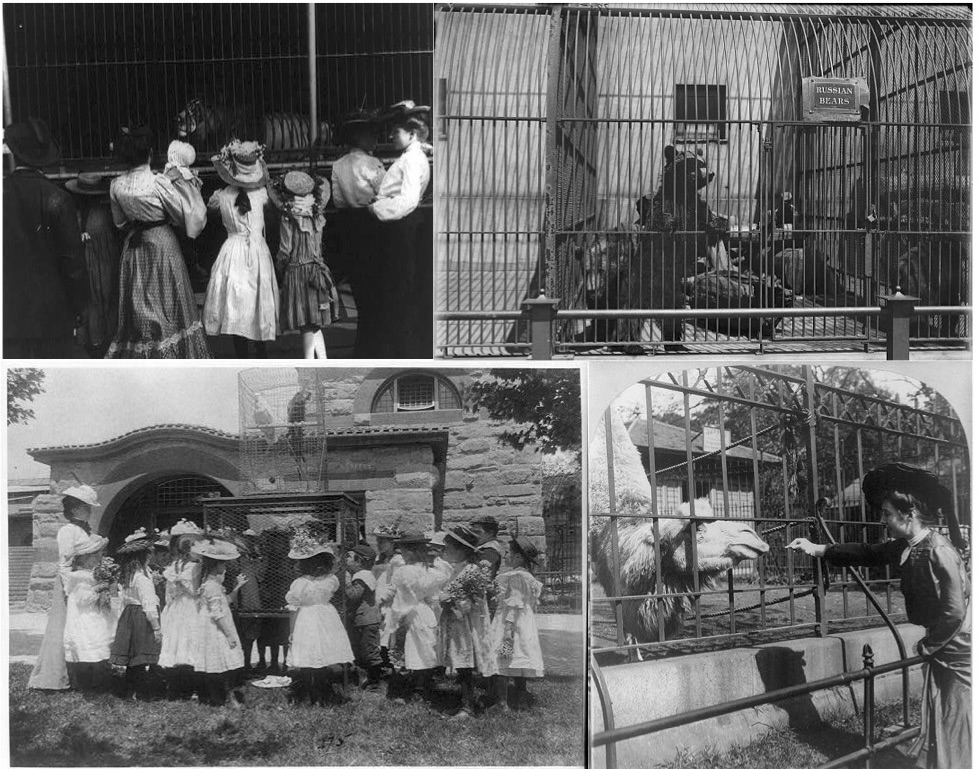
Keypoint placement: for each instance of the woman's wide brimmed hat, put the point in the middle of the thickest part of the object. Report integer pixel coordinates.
(360, 118)
(94, 544)
(464, 535)
(306, 544)
(89, 184)
(240, 164)
(137, 542)
(388, 531)
(216, 549)
(83, 493)
(412, 537)
(31, 142)
(299, 183)
(406, 109)
(906, 479)
(184, 528)
(487, 522)
(525, 547)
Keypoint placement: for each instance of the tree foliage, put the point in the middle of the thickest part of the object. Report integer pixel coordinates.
(23, 385)
(544, 405)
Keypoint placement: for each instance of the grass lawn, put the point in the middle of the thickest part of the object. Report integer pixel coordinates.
(71, 729)
(790, 749)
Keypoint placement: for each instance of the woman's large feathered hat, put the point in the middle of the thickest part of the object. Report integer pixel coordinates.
(906, 479)
(240, 164)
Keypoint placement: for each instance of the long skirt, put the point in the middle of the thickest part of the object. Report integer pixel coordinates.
(158, 315)
(134, 644)
(358, 238)
(50, 670)
(397, 290)
(944, 739)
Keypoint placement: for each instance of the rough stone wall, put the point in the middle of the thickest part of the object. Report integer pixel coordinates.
(47, 512)
(486, 477)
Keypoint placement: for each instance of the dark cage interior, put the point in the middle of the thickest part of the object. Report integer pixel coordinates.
(630, 160)
(339, 518)
(215, 69)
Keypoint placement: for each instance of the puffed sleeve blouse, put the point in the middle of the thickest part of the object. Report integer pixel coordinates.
(403, 186)
(69, 537)
(144, 196)
(308, 591)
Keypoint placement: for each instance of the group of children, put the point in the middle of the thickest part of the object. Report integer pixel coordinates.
(251, 295)
(418, 608)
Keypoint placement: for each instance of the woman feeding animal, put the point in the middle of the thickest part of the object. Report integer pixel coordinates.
(913, 503)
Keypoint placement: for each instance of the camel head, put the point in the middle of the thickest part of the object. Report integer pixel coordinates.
(721, 545)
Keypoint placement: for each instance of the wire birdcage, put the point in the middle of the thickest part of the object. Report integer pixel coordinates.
(270, 522)
(282, 432)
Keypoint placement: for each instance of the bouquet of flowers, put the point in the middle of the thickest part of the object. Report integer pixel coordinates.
(106, 576)
(469, 585)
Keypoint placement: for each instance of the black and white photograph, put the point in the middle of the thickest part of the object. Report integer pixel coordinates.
(703, 178)
(295, 566)
(779, 566)
(217, 180)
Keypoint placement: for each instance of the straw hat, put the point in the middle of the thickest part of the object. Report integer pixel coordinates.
(305, 544)
(406, 109)
(358, 119)
(464, 535)
(31, 142)
(487, 522)
(240, 164)
(89, 184)
(138, 541)
(183, 526)
(412, 537)
(525, 547)
(299, 183)
(216, 549)
(94, 544)
(83, 493)
(388, 531)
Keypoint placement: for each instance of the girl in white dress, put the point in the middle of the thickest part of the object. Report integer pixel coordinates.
(514, 632)
(243, 295)
(415, 587)
(218, 655)
(182, 611)
(318, 644)
(90, 624)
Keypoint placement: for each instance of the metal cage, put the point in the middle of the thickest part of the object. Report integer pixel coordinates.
(805, 441)
(574, 139)
(239, 69)
(282, 431)
(273, 519)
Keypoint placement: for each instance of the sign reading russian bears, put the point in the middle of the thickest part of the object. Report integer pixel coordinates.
(834, 100)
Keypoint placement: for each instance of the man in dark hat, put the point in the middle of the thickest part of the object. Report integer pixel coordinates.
(44, 275)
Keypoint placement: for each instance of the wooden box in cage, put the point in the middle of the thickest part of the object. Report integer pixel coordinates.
(282, 431)
(272, 520)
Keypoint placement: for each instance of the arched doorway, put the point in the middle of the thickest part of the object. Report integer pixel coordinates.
(162, 502)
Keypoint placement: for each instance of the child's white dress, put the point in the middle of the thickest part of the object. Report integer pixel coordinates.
(243, 295)
(516, 602)
(212, 652)
(181, 616)
(89, 629)
(464, 631)
(385, 594)
(415, 586)
(319, 637)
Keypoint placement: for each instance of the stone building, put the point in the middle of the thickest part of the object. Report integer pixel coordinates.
(399, 444)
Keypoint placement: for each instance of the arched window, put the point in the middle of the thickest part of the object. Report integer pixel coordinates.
(416, 392)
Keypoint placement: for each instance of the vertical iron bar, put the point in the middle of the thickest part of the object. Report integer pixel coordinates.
(311, 37)
(695, 574)
(838, 484)
(814, 479)
(757, 489)
(869, 708)
(614, 528)
(654, 507)
(8, 111)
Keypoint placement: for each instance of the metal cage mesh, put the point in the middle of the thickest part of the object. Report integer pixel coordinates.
(282, 431)
(273, 520)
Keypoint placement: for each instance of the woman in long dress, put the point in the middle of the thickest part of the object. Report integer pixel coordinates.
(243, 295)
(50, 671)
(158, 315)
(936, 591)
(396, 208)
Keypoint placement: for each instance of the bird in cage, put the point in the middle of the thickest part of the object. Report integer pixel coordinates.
(296, 413)
(262, 418)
